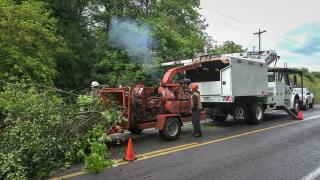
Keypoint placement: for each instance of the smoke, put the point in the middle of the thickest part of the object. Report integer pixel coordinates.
(135, 38)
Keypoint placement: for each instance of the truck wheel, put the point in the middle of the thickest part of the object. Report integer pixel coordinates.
(135, 130)
(256, 113)
(171, 129)
(305, 107)
(311, 105)
(296, 107)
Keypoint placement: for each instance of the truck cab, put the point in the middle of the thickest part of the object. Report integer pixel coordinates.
(281, 84)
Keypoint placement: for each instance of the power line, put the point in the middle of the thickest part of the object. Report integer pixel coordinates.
(251, 42)
(227, 25)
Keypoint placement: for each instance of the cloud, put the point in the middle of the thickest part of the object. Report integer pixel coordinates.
(301, 46)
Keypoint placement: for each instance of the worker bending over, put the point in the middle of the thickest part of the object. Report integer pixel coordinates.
(196, 108)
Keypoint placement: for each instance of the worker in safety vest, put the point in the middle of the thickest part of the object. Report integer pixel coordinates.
(95, 89)
(196, 108)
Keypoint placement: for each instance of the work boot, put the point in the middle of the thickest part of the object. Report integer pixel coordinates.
(197, 135)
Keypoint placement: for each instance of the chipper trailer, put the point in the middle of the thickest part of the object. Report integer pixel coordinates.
(165, 108)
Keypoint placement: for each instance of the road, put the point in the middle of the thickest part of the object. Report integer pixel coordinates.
(279, 148)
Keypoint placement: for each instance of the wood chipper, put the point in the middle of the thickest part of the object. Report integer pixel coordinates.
(165, 108)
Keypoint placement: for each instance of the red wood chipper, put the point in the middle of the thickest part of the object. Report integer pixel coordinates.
(165, 108)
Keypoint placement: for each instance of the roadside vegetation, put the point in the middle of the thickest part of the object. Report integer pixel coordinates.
(50, 51)
(312, 82)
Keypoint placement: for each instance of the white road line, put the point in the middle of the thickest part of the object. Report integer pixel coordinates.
(312, 117)
(313, 175)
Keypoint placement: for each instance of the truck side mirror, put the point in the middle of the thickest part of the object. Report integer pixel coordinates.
(295, 80)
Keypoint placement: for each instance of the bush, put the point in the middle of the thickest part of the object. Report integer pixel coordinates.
(41, 133)
(34, 133)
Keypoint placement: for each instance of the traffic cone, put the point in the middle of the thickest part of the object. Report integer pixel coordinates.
(130, 153)
(300, 116)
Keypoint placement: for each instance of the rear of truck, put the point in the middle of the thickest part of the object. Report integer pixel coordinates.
(233, 85)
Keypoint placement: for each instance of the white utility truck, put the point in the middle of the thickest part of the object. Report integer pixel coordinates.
(243, 85)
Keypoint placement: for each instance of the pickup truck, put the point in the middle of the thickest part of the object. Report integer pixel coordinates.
(307, 98)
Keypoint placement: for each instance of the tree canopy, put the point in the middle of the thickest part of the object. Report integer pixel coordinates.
(28, 42)
(227, 47)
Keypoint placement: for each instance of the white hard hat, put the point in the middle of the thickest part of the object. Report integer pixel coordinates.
(95, 84)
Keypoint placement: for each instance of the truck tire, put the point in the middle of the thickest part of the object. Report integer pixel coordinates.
(305, 107)
(255, 113)
(312, 104)
(135, 130)
(171, 129)
(296, 107)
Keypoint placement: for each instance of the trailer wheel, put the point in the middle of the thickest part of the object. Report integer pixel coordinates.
(171, 129)
(256, 113)
(135, 130)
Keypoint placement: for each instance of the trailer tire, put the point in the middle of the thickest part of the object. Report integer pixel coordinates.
(255, 113)
(135, 130)
(171, 129)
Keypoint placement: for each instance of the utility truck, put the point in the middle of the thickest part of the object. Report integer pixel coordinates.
(243, 85)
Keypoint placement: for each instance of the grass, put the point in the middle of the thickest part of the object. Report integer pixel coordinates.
(312, 82)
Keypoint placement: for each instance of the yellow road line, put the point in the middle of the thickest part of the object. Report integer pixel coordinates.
(79, 173)
(182, 147)
(158, 151)
(122, 162)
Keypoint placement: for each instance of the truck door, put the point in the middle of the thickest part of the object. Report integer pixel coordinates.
(226, 82)
(288, 89)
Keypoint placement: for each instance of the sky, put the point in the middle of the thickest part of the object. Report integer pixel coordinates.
(293, 27)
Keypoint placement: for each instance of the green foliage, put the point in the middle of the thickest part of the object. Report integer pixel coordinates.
(96, 161)
(86, 102)
(97, 137)
(74, 64)
(41, 133)
(35, 131)
(311, 80)
(28, 42)
(227, 48)
(176, 26)
(116, 69)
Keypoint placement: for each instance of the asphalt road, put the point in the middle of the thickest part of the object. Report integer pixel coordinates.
(279, 148)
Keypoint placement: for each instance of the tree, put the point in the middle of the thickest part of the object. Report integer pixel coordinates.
(176, 27)
(28, 42)
(227, 47)
(74, 66)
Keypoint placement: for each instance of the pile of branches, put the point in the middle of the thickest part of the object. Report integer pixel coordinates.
(43, 130)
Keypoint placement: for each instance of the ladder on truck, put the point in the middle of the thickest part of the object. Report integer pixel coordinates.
(290, 113)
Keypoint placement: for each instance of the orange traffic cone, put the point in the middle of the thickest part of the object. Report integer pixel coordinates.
(300, 116)
(130, 153)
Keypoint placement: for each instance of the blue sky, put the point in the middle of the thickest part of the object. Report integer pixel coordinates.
(293, 27)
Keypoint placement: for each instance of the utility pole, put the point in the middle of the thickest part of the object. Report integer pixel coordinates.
(259, 34)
